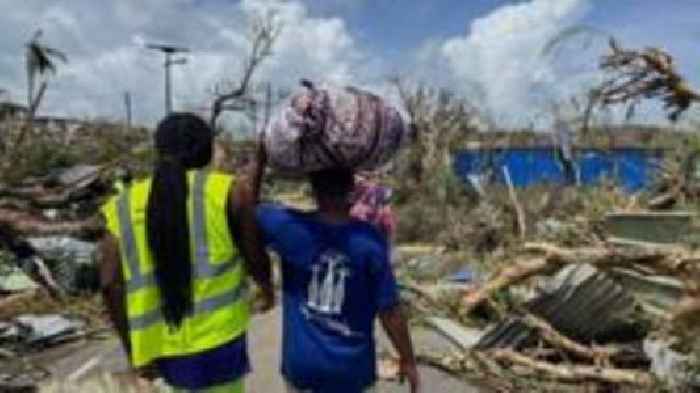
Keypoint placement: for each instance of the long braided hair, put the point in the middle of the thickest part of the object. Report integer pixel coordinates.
(183, 141)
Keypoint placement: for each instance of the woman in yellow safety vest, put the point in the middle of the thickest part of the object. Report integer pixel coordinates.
(175, 256)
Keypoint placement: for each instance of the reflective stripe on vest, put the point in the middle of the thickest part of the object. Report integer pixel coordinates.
(202, 266)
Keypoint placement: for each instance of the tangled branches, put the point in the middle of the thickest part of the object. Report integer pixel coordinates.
(644, 74)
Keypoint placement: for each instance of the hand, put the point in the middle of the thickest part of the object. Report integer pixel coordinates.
(268, 300)
(408, 370)
(265, 301)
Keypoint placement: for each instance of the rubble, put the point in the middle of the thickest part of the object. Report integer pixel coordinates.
(669, 365)
(28, 334)
(73, 261)
(47, 330)
(461, 336)
(15, 280)
(585, 305)
(583, 314)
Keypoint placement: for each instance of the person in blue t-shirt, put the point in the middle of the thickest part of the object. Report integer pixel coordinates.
(336, 278)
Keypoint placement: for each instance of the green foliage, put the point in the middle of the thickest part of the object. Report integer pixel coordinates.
(91, 144)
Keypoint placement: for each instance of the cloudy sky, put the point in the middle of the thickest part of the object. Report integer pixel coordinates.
(488, 50)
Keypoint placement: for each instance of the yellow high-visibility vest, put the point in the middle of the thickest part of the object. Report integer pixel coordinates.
(221, 309)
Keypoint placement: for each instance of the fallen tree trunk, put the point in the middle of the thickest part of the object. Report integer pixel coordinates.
(507, 277)
(45, 198)
(609, 256)
(27, 224)
(574, 373)
(558, 340)
(665, 260)
(449, 364)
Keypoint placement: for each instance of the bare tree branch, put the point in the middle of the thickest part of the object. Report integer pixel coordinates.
(264, 33)
(644, 74)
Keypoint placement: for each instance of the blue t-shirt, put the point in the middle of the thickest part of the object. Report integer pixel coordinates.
(335, 279)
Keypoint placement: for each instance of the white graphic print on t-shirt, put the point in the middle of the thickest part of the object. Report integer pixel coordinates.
(326, 291)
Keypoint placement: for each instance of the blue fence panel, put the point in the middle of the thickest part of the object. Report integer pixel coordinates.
(594, 166)
(636, 168)
(629, 167)
(530, 166)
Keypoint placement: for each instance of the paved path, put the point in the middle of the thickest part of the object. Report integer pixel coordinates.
(264, 341)
(88, 359)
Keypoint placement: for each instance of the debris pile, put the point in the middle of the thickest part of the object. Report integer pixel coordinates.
(51, 187)
(49, 226)
(585, 315)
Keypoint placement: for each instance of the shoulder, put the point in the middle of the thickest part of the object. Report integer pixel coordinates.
(267, 212)
(368, 235)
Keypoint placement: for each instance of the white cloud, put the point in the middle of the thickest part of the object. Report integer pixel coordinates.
(104, 41)
(499, 62)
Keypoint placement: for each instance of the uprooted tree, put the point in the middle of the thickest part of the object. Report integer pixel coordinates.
(234, 95)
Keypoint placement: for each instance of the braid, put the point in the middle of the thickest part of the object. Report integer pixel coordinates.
(183, 142)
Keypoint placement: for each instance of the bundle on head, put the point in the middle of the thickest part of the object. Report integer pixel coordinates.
(183, 141)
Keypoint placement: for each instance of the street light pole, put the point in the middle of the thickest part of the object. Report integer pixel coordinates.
(169, 51)
(168, 89)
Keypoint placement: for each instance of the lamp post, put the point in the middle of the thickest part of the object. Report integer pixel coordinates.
(169, 51)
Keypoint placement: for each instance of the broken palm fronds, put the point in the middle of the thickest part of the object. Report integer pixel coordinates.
(676, 181)
(643, 74)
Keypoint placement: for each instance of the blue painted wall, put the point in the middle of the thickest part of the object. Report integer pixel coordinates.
(632, 168)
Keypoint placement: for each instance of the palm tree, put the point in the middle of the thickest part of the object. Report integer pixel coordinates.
(39, 60)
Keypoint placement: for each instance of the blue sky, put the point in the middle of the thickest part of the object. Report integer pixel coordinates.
(395, 27)
(487, 50)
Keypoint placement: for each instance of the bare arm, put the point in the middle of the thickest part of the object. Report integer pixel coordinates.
(112, 284)
(396, 328)
(258, 170)
(247, 235)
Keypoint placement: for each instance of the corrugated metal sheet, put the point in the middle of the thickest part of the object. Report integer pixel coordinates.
(585, 305)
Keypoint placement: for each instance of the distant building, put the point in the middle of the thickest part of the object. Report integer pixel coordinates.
(12, 110)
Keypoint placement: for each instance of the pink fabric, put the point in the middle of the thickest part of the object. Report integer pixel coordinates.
(371, 204)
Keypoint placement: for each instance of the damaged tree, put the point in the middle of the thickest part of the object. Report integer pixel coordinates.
(233, 96)
(39, 60)
(642, 74)
(439, 121)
